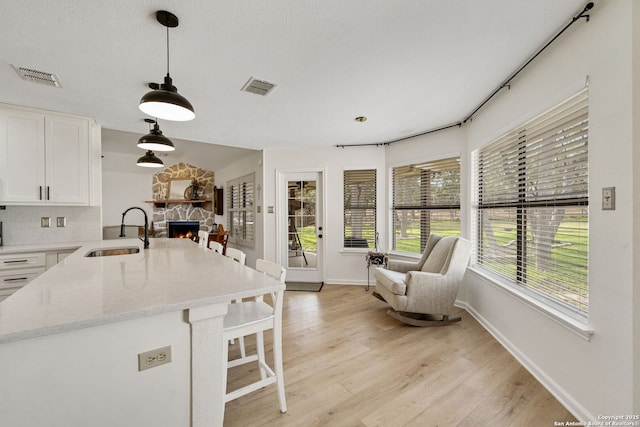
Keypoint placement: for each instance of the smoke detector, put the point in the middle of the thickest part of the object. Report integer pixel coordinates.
(36, 76)
(259, 87)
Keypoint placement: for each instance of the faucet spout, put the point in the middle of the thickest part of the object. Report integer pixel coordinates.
(146, 226)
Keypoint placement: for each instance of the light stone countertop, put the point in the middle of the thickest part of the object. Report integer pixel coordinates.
(41, 247)
(81, 292)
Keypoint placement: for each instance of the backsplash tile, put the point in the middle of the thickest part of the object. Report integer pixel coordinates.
(21, 224)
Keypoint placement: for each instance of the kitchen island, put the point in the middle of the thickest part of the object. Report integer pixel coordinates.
(70, 339)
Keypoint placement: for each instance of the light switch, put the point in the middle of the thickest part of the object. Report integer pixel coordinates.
(45, 221)
(609, 198)
(61, 221)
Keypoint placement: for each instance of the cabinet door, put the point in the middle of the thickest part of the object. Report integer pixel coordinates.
(67, 161)
(21, 157)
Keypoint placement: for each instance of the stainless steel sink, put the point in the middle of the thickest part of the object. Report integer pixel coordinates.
(113, 251)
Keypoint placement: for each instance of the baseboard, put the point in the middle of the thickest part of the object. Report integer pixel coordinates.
(573, 406)
(348, 282)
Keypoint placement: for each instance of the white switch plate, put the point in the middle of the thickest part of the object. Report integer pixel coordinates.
(61, 221)
(609, 198)
(45, 221)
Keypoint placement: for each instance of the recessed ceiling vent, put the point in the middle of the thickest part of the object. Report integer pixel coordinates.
(36, 76)
(259, 87)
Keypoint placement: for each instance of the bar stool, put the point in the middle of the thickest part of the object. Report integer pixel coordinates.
(203, 238)
(254, 317)
(237, 255)
(216, 247)
(241, 257)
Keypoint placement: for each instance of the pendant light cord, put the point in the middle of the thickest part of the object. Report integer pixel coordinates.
(167, 51)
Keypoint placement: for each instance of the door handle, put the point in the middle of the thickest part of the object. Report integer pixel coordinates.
(48, 191)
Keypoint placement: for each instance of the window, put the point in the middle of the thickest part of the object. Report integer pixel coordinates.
(360, 208)
(532, 206)
(241, 218)
(426, 200)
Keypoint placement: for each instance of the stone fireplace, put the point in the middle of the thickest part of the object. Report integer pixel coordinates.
(167, 210)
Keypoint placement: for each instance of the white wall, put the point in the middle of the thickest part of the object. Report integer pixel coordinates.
(341, 267)
(636, 204)
(593, 377)
(121, 191)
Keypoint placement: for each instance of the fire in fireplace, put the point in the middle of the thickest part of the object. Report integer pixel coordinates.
(184, 229)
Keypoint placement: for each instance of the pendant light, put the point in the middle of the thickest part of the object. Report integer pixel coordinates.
(164, 101)
(149, 160)
(155, 140)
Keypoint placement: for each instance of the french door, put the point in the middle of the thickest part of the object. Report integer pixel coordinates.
(301, 230)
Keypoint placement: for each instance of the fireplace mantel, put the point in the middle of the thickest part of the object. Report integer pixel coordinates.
(165, 202)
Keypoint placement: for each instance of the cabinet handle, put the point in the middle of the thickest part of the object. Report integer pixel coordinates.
(40, 197)
(48, 192)
(16, 279)
(14, 261)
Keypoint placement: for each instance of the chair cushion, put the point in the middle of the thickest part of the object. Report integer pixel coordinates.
(393, 281)
(438, 259)
(431, 242)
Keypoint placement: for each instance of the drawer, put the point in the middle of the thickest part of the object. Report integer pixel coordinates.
(18, 278)
(33, 259)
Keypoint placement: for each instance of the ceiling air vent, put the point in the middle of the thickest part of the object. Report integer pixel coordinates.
(259, 87)
(36, 76)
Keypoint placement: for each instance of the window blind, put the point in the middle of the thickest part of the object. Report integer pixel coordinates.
(359, 211)
(240, 203)
(532, 205)
(426, 200)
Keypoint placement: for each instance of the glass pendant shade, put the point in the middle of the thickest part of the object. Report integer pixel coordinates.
(155, 141)
(149, 160)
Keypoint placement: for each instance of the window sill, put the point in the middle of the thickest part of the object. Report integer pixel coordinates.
(576, 326)
(354, 251)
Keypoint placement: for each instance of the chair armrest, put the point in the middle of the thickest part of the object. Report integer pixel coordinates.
(402, 266)
(433, 292)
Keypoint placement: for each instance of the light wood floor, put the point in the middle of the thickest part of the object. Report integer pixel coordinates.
(347, 363)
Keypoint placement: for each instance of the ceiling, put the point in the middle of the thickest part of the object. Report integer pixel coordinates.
(407, 65)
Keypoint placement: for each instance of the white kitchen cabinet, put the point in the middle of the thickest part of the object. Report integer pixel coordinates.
(16, 270)
(45, 158)
(52, 258)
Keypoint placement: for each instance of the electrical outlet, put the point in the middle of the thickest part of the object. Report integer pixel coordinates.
(152, 358)
(45, 222)
(61, 221)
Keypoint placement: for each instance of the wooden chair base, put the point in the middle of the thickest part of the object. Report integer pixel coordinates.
(422, 320)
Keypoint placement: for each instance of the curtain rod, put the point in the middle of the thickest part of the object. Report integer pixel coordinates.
(506, 83)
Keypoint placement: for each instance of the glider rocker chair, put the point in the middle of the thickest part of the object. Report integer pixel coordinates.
(423, 293)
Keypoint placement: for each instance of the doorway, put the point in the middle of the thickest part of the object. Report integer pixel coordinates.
(301, 236)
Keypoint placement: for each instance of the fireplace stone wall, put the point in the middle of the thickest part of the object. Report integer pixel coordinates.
(184, 211)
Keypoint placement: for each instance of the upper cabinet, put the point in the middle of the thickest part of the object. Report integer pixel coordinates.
(47, 158)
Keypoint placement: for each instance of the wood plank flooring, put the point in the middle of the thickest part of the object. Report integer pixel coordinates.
(347, 363)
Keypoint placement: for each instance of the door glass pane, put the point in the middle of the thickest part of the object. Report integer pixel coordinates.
(302, 238)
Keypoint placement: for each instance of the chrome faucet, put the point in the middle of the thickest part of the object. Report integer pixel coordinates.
(146, 226)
